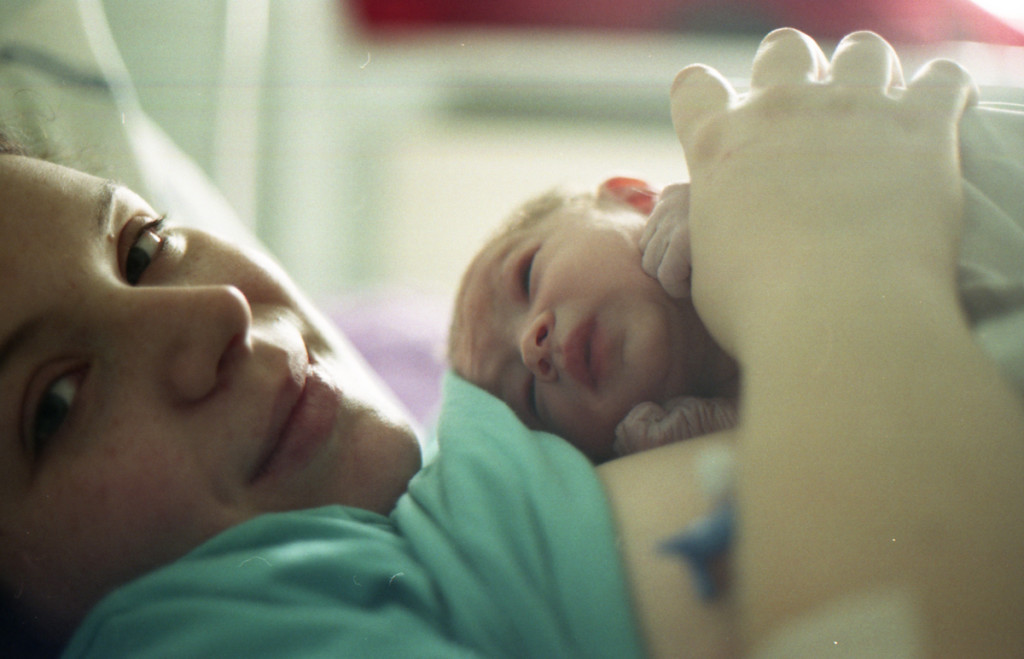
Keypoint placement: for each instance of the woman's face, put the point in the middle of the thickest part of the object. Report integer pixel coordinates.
(158, 386)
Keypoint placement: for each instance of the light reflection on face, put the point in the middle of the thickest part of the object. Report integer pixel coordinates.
(159, 385)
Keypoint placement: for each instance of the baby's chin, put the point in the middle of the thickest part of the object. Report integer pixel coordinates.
(596, 440)
(592, 429)
(651, 390)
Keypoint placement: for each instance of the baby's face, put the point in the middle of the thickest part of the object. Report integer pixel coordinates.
(564, 326)
(159, 385)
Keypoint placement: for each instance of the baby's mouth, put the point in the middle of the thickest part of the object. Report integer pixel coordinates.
(578, 351)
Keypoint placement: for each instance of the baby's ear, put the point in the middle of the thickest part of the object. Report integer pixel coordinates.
(641, 195)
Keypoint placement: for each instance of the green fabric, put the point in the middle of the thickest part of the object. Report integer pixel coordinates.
(523, 531)
(325, 582)
(991, 277)
(503, 546)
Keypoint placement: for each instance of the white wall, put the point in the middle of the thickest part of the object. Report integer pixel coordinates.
(366, 161)
(173, 51)
(389, 160)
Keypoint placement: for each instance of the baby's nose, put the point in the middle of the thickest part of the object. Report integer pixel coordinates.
(535, 346)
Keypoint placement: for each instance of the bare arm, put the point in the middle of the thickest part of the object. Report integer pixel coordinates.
(889, 455)
(878, 447)
(654, 495)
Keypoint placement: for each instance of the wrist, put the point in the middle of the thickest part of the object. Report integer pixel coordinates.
(869, 411)
(798, 299)
(809, 320)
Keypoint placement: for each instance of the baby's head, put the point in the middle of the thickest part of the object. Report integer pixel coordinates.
(556, 317)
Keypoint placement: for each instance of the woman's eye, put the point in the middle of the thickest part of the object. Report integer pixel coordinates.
(143, 251)
(52, 411)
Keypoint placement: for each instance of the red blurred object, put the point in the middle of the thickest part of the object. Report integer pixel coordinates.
(901, 21)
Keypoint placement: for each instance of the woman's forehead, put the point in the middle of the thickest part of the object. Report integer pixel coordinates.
(37, 195)
(42, 172)
(36, 189)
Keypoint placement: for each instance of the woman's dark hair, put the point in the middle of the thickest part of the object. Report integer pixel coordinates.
(16, 637)
(18, 640)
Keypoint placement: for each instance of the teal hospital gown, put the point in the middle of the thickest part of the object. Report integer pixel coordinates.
(502, 547)
(991, 274)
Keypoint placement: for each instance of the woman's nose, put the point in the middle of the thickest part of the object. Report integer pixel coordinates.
(192, 334)
(535, 346)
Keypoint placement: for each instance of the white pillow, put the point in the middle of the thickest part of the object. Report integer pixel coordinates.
(64, 90)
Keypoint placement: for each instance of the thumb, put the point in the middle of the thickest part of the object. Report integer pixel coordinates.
(699, 94)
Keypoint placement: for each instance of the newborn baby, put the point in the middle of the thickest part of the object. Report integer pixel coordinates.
(556, 317)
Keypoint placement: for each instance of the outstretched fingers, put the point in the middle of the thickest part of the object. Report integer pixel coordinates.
(699, 93)
(940, 92)
(787, 57)
(864, 59)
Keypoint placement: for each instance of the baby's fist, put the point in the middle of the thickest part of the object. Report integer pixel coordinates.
(649, 425)
(666, 241)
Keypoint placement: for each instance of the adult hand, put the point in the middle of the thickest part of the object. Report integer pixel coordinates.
(825, 173)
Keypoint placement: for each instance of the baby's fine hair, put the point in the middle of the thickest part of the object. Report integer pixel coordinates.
(533, 213)
(528, 216)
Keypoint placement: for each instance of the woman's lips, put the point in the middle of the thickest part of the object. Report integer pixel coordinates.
(304, 430)
(584, 359)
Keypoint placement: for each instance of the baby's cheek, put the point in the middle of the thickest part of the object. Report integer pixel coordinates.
(590, 430)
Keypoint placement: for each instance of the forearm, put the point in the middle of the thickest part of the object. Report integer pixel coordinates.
(865, 460)
(654, 495)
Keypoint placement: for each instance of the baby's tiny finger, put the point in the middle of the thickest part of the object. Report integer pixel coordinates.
(787, 57)
(655, 221)
(637, 431)
(649, 228)
(864, 59)
(674, 202)
(698, 94)
(941, 91)
(674, 270)
(655, 250)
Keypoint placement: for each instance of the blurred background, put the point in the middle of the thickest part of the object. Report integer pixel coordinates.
(376, 143)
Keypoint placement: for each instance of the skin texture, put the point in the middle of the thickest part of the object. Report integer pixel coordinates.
(141, 403)
(879, 450)
(818, 474)
(527, 296)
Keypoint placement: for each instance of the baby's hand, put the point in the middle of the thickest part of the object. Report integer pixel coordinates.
(666, 241)
(649, 425)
